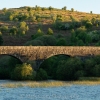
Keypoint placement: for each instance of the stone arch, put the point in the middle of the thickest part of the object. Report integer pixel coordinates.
(50, 57)
(58, 55)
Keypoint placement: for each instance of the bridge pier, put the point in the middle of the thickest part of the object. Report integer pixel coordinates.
(38, 63)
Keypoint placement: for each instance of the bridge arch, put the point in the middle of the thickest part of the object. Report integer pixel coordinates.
(7, 65)
(54, 66)
(56, 56)
(1, 55)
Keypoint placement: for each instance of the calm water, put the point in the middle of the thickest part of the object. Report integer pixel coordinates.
(73, 92)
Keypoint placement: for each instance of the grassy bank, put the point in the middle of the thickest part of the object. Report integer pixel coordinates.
(34, 84)
(37, 84)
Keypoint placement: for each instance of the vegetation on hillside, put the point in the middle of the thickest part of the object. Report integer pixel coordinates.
(22, 26)
(40, 26)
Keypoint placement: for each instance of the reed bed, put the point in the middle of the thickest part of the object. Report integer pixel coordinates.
(34, 84)
(40, 84)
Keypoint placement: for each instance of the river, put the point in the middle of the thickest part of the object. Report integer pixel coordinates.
(70, 92)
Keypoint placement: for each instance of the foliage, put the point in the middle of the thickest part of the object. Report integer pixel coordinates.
(88, 25)
(64, 8)
(61, 42)
(13, 30)
(72, 9)
(23, 28)
(4, 10)
(41, 74)
(1, 40)
(7, 65)
(39, 33)
(48, 40)
(23, 72)
(50, 31)
(80, 37)
(34, 43)
(4, 28)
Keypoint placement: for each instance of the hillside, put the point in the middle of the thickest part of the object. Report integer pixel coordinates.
(20, 25)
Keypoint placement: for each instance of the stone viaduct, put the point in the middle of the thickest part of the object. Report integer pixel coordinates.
(40, 53)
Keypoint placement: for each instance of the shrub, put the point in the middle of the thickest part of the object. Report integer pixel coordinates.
(61, 42)
(23, 28)
(96, 71)
(4, 28)
(41, 75)
(39, 33)
(88, 25)
(34, 43)
(48, 40)
(23, 72)
(1, 40)
(79, 73)
(57, 24)
(50, 31)
(66, 69)
(72, 9)
(13, 30)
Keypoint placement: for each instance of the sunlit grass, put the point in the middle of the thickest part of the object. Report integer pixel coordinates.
(86, 82)
(34, 84)
(39, 84)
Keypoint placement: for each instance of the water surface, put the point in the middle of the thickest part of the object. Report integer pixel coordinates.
(72, 92)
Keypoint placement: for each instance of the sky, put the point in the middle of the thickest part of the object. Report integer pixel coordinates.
(79, 5)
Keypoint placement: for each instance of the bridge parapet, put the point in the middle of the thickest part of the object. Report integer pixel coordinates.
(42, 52)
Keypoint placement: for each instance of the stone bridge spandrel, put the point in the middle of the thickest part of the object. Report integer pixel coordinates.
(25, 53)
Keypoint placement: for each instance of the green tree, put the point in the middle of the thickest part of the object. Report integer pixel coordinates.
(96, 70)
(39, 33)
(50, 8)
(34, 43)
(23, 72)
(1, 40)
(4, 28)
(91, 12)
(88, 25)
(23, 28)
(48, 40)
(4, 10)
(41, 75)
(50, 31)
(11, 17)
(64, 8)
(13, 30)
(61, 42)
(72, 9)
(88, 66)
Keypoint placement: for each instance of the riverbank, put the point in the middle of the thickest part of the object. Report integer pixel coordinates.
(50, 83)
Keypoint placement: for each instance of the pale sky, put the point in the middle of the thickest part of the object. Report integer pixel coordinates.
(79, 5)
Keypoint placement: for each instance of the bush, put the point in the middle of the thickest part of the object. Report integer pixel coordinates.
(48, 40)
(1, 40)
(23, 28)
(13, 30)
(50, 31)
(72, 9)
(79, 73)
(57, 24)
(41, 75)
(88, 25)
(4, 73)
(61, 42)
(4, 28)
(34, 43)
(37, 34)
(67, 69)
(23, 72)
(96, 71)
